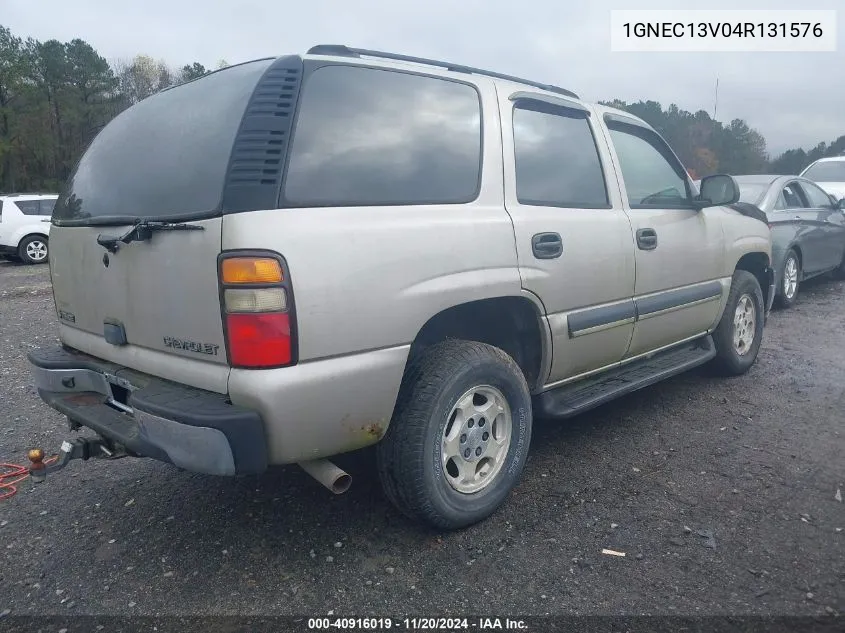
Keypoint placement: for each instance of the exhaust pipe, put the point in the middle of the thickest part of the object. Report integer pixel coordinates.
(332, 477)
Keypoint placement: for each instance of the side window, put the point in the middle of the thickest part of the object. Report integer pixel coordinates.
(816, 197)
(557, 162)
(46, 206)
(367, 136)
(28, 207)
(793, 197)
(652, 175)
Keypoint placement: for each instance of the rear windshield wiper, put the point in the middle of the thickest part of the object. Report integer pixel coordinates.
(142, 231)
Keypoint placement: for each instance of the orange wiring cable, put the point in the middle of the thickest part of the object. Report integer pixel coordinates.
(13, 475)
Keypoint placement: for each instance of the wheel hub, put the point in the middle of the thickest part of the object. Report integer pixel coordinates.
(476, 439)
(745, 325)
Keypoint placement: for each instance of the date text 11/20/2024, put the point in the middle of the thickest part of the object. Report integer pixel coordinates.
(417, 624)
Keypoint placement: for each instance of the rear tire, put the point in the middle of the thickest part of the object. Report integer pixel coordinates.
(787, 290)
(740, 331)
(459, 437)
(34, 249)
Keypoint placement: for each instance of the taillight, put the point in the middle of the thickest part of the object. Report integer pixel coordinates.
(257, 302)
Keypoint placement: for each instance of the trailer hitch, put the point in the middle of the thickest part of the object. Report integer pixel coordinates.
(81, 448)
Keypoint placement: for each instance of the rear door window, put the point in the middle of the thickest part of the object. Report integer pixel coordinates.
(368, 136)
(793, 197)
(557, 162)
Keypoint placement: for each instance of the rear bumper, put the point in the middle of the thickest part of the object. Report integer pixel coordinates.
(197, 430)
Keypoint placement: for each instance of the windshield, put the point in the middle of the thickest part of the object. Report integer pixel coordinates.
(751, 193)
(164, 158)
(828, 171)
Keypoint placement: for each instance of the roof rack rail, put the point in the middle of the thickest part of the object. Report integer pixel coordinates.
(27, 193)
(341, 50)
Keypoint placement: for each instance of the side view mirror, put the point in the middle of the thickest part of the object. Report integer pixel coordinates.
(716, 191)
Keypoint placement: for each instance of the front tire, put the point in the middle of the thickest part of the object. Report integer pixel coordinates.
(459, 437)
(740, 331)
(839, 271)
(34, 249)
(789, 280)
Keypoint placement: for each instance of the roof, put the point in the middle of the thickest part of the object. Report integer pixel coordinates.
(339, 50)
(29, 195)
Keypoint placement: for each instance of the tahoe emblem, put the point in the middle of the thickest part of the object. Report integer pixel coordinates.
(191, 346)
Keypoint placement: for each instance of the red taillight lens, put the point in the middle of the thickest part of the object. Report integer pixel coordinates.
(259, 340)
(257, 304)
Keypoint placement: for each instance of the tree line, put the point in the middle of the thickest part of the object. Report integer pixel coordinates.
(707, 146)
(55, 96)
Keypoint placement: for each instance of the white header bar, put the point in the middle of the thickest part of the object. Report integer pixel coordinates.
(712, 31)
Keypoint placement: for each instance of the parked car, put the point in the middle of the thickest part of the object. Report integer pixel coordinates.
(808, 229)
(829, 174)
(25, 226)
(354, 250)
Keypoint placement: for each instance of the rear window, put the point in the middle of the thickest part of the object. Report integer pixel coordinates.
(828, 171)
(752, 193)
(166, 156)
(379, 137)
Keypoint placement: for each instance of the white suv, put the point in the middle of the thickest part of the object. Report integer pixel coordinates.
(25, 226)
(829, 174)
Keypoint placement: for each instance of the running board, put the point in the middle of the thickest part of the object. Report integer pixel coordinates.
(575, 398)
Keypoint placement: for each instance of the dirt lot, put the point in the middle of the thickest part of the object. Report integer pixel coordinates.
(720, 492)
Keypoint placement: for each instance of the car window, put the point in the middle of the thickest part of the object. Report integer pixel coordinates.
(827, 171)
(167, 156)
(816, 196)
(653, 177)
(28, 207)
(45, 207)
(752, 193)
(793, 197)
(557, 162)
(780, 203)
(367, 136)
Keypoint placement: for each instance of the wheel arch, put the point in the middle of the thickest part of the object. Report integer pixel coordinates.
(758, 264)
(514, 323)
(28, 234)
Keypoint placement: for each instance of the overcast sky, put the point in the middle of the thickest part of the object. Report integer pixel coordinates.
(793, 99)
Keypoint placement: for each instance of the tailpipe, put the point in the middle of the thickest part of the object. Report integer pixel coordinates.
(332, 477)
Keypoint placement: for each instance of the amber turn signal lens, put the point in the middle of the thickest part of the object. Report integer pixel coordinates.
(251, 270)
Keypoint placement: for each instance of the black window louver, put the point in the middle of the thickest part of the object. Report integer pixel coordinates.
(258, 154)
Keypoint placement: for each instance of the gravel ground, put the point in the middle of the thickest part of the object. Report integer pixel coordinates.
(722, 494)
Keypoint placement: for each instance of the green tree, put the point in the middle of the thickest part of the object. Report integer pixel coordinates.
(193, 71)
(12, 77)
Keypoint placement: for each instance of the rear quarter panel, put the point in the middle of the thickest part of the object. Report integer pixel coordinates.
(365, 280)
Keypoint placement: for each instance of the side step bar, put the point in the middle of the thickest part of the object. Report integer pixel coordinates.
(569, 400)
